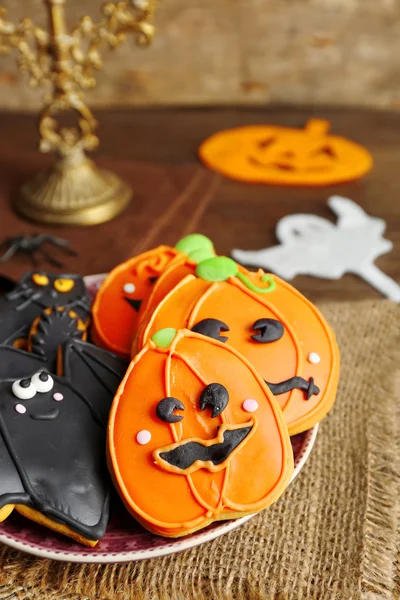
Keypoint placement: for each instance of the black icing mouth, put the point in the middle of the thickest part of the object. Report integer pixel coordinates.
(183, 456)
(136, 304)
(50, 416)
(294, 383)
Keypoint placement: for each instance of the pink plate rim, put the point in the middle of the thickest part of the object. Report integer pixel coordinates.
(176, 545)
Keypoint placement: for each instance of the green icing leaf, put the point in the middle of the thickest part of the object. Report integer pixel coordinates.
(201, 254)
(194, 241)
(164, 337)
(255, 288)
(218, 268)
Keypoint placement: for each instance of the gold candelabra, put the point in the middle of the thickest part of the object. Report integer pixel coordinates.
(73, 191)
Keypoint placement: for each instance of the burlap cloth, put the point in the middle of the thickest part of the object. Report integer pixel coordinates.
(333, 535)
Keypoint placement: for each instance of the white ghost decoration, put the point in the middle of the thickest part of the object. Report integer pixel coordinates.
(311, 245)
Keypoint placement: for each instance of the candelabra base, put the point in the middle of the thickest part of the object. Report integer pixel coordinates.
(73, 192)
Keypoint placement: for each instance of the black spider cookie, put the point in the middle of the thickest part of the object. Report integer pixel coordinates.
(35, 292)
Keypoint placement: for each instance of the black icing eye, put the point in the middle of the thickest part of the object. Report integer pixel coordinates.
(215, 396)
(153, 279)
(165, 410)
(212, 328)
(270, 330)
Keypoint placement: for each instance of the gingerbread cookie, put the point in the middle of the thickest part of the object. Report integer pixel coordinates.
(195, 436)
(126, 289)
(271, 324)
(35, 292)
(52, 438)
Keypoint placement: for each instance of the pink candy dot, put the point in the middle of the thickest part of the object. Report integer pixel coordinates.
(20, 408)
(250, 405)
(58, 397)
(143, 437)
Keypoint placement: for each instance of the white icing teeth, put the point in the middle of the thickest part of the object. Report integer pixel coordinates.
(129, 288)
(20, 408)
(143, 437)
(250, 405)
(314, 358)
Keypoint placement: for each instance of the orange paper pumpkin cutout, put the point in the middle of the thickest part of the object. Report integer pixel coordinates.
(271, 324)
(195, 436)
(285, 156)
(118, 303)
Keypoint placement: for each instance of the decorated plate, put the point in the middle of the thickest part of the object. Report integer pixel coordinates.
(125, 539)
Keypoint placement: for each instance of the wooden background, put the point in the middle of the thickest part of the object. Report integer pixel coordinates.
(155, 151)
(336, 52)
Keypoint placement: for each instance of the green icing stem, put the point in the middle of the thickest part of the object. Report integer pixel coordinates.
(218, 268)
(255, 288)
(164, 337)
(194, 241)
(197, 256)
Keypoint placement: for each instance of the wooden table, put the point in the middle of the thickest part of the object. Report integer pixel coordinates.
(156, 151)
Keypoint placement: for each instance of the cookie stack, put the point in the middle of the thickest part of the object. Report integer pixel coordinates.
(226, 365)
(219, 367)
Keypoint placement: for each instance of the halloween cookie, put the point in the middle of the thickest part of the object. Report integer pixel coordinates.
(195, 435)
(185, 263)
(52, 438)
(271, 324)
(285, 156)
(35, 292)
(51, 329)
(127, 287)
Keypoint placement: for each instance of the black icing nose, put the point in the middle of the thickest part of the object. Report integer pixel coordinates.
(215, 396)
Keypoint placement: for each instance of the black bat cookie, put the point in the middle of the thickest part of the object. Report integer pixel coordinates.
(35, 292)
(52, 434)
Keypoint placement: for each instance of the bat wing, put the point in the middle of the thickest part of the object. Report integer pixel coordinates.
(11, 488)
(94, 372)
(15, 363)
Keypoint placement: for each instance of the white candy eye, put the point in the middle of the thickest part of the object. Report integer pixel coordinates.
(23, 389)
(129, 288)
(43, 382)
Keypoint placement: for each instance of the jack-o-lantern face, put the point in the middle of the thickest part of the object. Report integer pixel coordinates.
(284, 156)
(270, 323)
(204, 441)
(118, 302)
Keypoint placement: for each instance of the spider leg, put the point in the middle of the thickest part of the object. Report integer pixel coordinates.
(53, 261)
(9, 253)
(31, 255)
(55, 241)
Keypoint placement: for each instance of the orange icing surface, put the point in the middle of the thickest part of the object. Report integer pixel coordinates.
(305, 332)
(114, 319)
(171, 502)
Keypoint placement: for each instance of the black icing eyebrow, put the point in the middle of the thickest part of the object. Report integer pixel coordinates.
(212, 328)
(216, 396)
(166, 407)
(269, 330)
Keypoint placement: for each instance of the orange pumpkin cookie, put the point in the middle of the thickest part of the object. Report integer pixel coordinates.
(118, 301)
(195, 436)
(285, 156)
(185, 263)
(270, 323)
